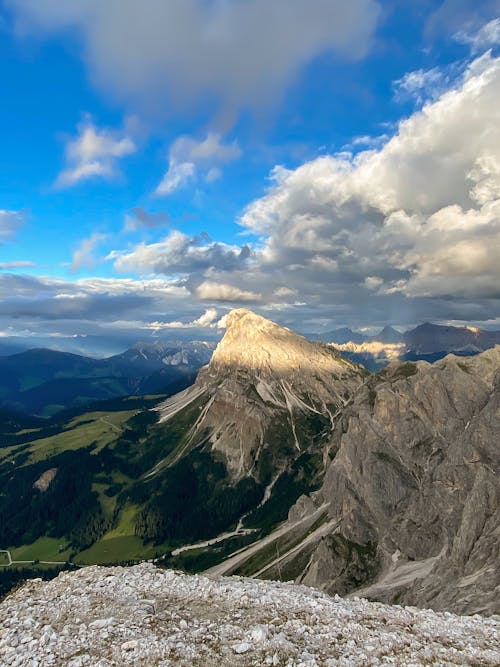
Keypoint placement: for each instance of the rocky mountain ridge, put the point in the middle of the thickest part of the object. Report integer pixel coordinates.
(265, 384)
(411, 499)
(426, 342)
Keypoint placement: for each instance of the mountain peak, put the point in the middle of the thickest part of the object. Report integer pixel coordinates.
(388, 335)
(264, 379)
(253, 342)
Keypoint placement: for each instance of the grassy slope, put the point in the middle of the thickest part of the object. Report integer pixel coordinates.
(45, 548)
(128, 449)
(101, 428)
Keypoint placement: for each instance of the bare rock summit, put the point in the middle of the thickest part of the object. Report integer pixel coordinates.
(267, 392)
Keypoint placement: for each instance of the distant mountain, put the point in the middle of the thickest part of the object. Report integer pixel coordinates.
(153, 356)
(44, 381)
(431, 338)
(12, 345)
(388, 335)
(427, 342)
(343, 335)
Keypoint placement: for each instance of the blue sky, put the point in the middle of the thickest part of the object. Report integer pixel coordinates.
(324, 163)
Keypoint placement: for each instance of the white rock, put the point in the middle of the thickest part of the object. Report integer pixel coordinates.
(278, 624)
(244, 647)
(258, 634)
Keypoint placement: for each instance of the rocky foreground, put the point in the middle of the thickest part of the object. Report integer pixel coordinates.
(145, 616)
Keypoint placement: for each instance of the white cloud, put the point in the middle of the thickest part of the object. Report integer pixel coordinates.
(214, 174)
(93, 153)
(10, 223)
(176, 177)
(421, 85)
(222, 323)
(409, 229)
(206, 321)
(180, 254)
(83, 257)
(421, 214)
(373, 282)
(485, 38)
(6, 266)
(116, 308)
(177, 54)
(212, 291)
(285, 292)
(186, 156)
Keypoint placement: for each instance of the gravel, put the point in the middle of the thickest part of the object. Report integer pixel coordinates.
(142, 615)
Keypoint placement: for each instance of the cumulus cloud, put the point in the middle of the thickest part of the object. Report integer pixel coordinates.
(93, 153)
(454, 16)
(373, 282)
(422, 85)
(187, 156)
(206, 320)
(10, 223)
(419, 217)
(212, 291)
(237, 54)
(406, 231)
(83, 257)
(116, 309)
(180, 254)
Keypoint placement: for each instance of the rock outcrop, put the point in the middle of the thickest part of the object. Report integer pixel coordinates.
(267, 393)
(416, 476)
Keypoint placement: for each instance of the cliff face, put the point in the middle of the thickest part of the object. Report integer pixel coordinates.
(415, 479)
(266, 393)
(412, 496)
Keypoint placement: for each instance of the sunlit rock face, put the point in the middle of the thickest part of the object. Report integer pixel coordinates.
(254, 343)
(266, 395)
(406, 505)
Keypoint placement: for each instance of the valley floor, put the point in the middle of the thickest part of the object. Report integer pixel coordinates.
(145, 616)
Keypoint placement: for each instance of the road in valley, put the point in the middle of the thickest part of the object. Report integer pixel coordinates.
(27, 562)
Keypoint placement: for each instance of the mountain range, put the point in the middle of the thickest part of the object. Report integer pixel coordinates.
(425, 338)
(283, 460)
(43, 382)
(426, 342)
